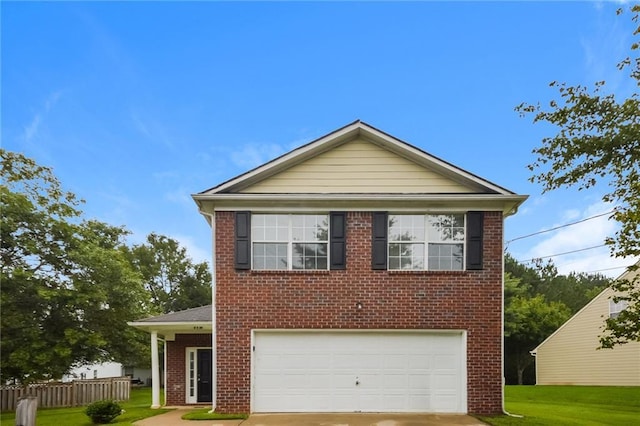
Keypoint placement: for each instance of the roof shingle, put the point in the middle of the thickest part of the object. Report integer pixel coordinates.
(199, 314)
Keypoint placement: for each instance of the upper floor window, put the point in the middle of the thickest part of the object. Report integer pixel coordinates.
(426, 242)
(289, 241)
(616, 307)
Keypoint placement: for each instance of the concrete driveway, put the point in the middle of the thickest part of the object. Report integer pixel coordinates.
(357, 419)
(172, 418)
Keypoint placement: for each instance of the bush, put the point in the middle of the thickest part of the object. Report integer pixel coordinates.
(102, 412)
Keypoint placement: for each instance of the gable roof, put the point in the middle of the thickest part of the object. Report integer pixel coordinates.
(628, 274)
(249, 189)
(190, 321)
(199, 314)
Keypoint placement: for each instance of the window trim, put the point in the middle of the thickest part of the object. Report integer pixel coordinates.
(426, 241)
(290, 242)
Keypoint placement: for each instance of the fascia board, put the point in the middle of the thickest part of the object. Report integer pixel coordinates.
(508, 204)
(168, 325)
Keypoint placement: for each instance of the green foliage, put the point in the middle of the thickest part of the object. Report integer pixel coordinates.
(537, 301)
(598, 142)
(626, 326)
(173, 281)
(204, 414)
(527, 322)
(67, 287)
(103, 412)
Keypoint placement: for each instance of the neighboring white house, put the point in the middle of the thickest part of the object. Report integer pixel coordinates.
(94, 371)
(570, 356)
(140, 376)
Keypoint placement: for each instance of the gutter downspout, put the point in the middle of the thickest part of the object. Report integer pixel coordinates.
(214, 335)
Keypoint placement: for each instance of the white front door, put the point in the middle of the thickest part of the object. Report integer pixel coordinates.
(356, 371)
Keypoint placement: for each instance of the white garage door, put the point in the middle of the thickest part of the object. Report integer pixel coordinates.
(309, 371)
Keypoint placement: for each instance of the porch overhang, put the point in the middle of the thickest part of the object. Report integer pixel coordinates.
(168, 330)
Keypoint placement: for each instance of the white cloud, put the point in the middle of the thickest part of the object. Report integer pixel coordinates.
(574, 238)
(180, 196)
(256, 154)
(253, 155)
(170, 175)
(140, 125)
(152, 129)
(196, 253)
(605, 47)
(32, 129)
(117, 207)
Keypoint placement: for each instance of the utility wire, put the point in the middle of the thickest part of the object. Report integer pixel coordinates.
(605, 269)
(561, 254)
(558, 227)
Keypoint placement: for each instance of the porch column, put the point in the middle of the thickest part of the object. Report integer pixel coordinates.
(155, 371)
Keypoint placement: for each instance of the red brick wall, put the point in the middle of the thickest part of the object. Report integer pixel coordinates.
(176, 364)
(465, 300)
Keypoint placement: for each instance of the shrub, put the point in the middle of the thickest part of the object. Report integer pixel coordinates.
(102, 412)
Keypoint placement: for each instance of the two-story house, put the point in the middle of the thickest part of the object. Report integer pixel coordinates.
(356, 273)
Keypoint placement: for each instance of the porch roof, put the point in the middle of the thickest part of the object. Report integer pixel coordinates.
(190, 321)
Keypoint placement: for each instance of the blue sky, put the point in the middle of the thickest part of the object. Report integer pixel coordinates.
(137, 105)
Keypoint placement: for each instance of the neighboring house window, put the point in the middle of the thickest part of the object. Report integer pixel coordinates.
(616, 308)
(290, 241)
(426, 242)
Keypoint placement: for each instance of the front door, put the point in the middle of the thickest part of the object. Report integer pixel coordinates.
(204, 375)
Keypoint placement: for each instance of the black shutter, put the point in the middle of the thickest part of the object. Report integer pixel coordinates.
(475, 222)
(338, 238)
(379, 241)
(243, 240)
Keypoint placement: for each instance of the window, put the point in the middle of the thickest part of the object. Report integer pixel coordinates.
(290, 241)
(431, 242)
(616, 308)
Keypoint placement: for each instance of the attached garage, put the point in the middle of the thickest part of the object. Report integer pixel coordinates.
(359, 371)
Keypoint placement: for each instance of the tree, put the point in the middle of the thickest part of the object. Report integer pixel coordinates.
(527, 322)
(67, 289)
(598, 141)
(529, 291)
(110, 293)
(173, 281)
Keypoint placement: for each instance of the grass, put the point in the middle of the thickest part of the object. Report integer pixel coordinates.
(137, 408)
(204, 414)
(540, 405)
(570, 405)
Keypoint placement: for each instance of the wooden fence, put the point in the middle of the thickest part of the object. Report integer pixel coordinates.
(72, 394)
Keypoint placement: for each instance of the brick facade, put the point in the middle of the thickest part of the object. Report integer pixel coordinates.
(176, 364)
(462, 300)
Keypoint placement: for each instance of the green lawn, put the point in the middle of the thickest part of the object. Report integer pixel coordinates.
(570, 405)
(540, 405)
(137, 408)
